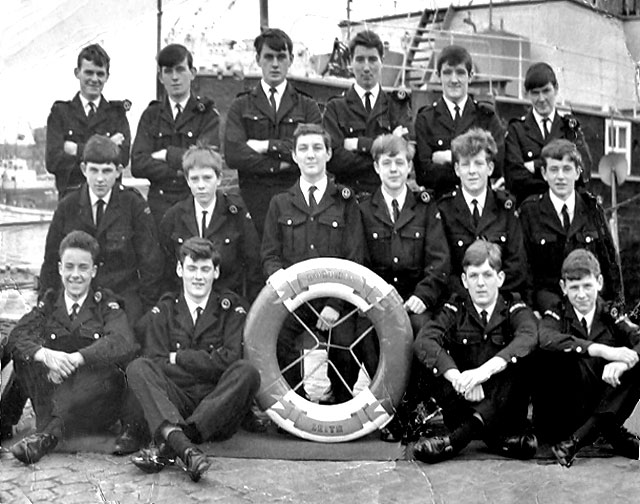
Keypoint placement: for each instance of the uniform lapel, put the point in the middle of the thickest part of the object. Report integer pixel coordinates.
(462, 213)
(84, 208)
(489, 214)
(78, 109)
(549, 215)
(188, 216)
(497, 317)
(101, 112)
(407, 211)
(556, 128)
(379, 107)
(182, 316)
(297, 199)
(207, 318)
(287, 102)
(219, 216)
(186, 114)
(327, 198)
(261, 101)
(467, 117)
(444, 116)
(532, 130)
(60, 312)
(579, 216)
(111, 211)
(355, 105)
(86, 311)
(380, 210)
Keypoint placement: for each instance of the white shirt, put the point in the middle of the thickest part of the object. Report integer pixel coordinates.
(85, 104)
(70, 302)
(321, 186)
(588, 317)
(277, 96)
(452, 106)
(94, 202)
(388, 199)
(194, 306)
(199, 209)
(481, 199)
(375, 91)
(183, 104)
(539, 120)
(558, 204)
(488, 309)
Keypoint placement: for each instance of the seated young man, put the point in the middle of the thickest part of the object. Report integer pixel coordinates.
(314, 218)
(475, 209)
(406, 246)
(69, 352)
(473, 350)
(561, 220)
(218, 216)
(191, 384)
(590, 383)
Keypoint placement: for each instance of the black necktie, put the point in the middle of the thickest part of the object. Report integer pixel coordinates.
(203, 224)
(483, 316)
(75, 307)
(178, 112)
(396, 210)
(475, 213)
(545, 128)
(272, 100)
(367, 102)
(313, 204)
(585, 326)
(456, 118)
(92, 110)
(566, 223)
(99, 212)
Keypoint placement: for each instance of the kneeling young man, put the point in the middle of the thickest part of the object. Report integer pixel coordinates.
(472, 348)
(591, 383)
(68, 352)
(190, 383)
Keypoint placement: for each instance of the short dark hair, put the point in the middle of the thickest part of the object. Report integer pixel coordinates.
(202, 155)
(480, 251)
(275, 38)
(472, 142)
(366, 38)
(173, 54)
(199, 249)
(558, 149)
(100, 149)
(455, 55)
(80, 240)
(311, 129)
(391, 145)
(96, 54)
(578, 264)
(539, 75)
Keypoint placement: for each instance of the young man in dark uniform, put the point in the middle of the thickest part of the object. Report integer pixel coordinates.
(191, 384)
(472, 349)
(527, 135)
(69, 352)
(449, 117)
(475, 210)
(168, 127)
(358, 116)
(72, 123)
(130, 261)
(589, 380)
(314, 218)
(260, 124)
(561, 220)
(218, 216)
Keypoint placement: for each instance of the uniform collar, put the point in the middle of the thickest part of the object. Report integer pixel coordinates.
(280, 88)
(93, 199)
(388, 199)
(558, 204)
(321, 188)
(85, 102)
(68, 302)
(360, 91)
(452, 106)
(588, 317)
(192, 306)
(183, 105)
(538, 118)
(489, 309)
(468, 198)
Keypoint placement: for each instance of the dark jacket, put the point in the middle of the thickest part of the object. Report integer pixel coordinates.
(435, 129)
(130, 256)
(498, 224)
(232, 232)
(412, 253)
(346, 117)
(68, 122)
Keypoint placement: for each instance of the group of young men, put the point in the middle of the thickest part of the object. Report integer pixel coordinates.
(503, 292)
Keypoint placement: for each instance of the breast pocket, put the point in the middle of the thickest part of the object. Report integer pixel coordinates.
(588, 239)
(354, 128)
(412, 239)
(379, 244)
(292, 229)
(383, 125)
(256, 126)
(331, 231)
(118, 241)
(288, 125)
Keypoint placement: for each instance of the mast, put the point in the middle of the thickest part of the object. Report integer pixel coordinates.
(264, 14)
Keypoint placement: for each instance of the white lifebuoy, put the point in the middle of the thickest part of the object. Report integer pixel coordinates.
(374, 406)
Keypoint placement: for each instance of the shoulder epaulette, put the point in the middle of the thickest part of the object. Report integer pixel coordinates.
(589, 197)
(154, 103)
(517, 119)
(505, 199)
(552, 314)
(449, 195)
(124, 104)
(300, 92)
(244, 92)
(451, 307)
(517, 306)
(485, 106)
(58, 103)
(334, 97)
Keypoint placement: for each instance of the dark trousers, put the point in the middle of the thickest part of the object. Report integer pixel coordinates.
(216, 411)
(90, 399)
(570, 390)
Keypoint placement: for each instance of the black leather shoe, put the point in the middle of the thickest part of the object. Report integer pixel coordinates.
(392, 432)
(129, 441)
(433, 449)
(565, 451)
(195, 463)
(519, 447)
(625, 444)
(32, 448)
(153, 459)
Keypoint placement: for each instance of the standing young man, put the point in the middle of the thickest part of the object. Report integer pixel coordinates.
(72, 123)
(168, 127)
(260, 125)
(69, 352)
(314, 218)
(527, 135)
(450, 116)
(358, 116)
